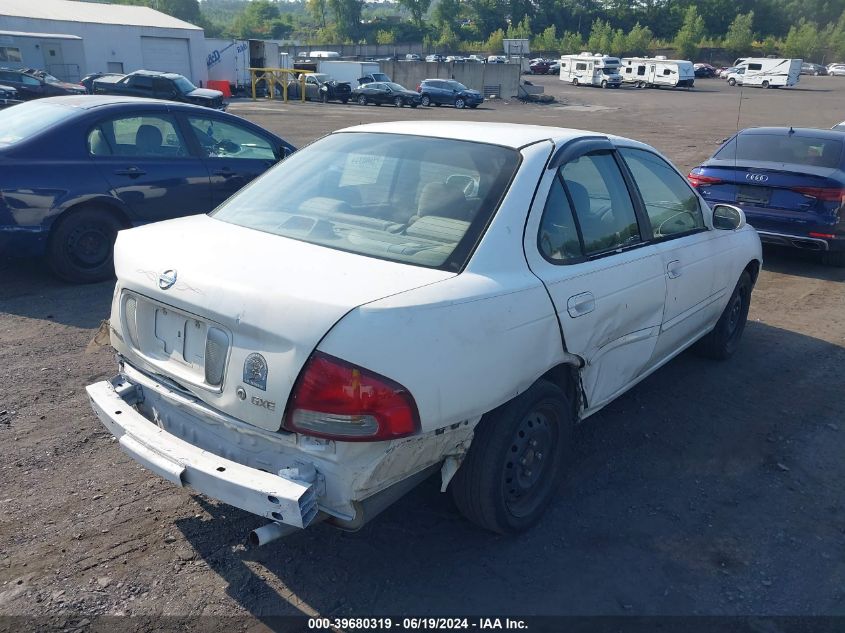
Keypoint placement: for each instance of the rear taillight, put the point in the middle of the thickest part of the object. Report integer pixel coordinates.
(697, 180)
(827, 194)
(338, 400)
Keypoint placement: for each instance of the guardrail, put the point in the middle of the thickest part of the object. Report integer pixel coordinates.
(277, 76)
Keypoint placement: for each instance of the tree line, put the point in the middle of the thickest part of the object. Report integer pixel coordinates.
(813, 30)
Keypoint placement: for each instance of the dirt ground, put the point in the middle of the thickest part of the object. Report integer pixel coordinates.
(711, 488)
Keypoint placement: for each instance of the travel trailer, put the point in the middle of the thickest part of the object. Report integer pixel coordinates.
(648, 72)
(591, 70)
(766, 72)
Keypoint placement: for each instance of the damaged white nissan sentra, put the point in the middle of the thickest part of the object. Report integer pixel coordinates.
(404, 297)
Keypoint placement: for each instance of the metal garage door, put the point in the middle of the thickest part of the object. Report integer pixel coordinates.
(169, 54)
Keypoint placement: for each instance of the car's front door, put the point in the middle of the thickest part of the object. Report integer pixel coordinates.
(233, 154)
(149, 165)
(584, 241)
(693, 257)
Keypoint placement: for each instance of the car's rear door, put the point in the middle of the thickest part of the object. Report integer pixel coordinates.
(695, 259)
(585, 242)
(233, 154)
(149, 164)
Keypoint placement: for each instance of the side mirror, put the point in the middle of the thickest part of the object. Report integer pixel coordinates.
(728, 217)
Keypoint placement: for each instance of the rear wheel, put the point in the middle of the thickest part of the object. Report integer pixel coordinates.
(345, 100)
(765, 84)
(81, 245)
(426, 100)
(575, 82)
(731, 81)
(460, 104)
(362, 99)
(721, 343)
(398, 102)
(516, 461)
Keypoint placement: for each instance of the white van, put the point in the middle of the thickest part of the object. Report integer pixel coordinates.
(648, 72)
(592, 70)
(766, 72)
(324, 55)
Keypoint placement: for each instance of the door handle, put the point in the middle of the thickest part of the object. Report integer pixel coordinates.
(132, 172)
(673, 269)
(225, 172)
(581, 304)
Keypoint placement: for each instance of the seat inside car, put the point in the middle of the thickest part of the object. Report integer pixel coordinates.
(148, 140)
(443, 200)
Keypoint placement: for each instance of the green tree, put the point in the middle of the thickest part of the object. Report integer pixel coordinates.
(571, 43)
(446, 13)
(347, 16)
(385, 37)
(417, 8)
(487, 16)
(639, 40)
(804, 41)
(547, 40)
(688, 39)
(496, 42)
(448, 41)
(317, 9)
(520, 31)
(740, 35)
(618, 43)
(601, 37)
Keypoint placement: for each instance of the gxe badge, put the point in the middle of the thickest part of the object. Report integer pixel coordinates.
(756, 177)
(167, 279)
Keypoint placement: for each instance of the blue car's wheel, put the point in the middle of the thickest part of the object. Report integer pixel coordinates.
(81, 244)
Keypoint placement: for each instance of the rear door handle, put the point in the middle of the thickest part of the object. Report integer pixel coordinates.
(673, 269)
(581, 304)
(132, 172)
(225, 172)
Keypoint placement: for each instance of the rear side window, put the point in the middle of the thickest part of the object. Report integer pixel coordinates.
(783, 148)
(755, 66)
(670, 203)
(558, 240)
(141, 82)
(147, 136)
(601, 203)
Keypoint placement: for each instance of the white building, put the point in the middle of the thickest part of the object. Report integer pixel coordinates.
(115, 38)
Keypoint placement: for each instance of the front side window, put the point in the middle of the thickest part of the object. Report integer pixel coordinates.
(670, 203)
(144, 136)
(417, 200)
(602, 203)
(220, 139)
(140, 82)
(29, 81)
(558, 239)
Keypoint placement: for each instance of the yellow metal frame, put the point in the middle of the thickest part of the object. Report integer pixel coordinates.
(273, 76)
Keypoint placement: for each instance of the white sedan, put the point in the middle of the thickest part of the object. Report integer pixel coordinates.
(401, 298)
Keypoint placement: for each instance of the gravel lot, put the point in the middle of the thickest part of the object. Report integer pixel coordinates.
(711, 488)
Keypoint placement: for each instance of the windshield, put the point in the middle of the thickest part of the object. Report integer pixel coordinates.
(321, 77)
(610, 71)
(184, 85)
(418, 200)
(50, 79)
(456, 85)
(24, 120)
(394, 86)
(784, 148)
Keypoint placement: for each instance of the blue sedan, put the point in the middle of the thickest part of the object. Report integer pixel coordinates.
(789, 181)
(76, 170)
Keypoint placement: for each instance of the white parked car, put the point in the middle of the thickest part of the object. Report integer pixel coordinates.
(836, 70)
(426, 296)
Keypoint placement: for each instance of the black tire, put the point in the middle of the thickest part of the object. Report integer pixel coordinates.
(460, 103)
(503, 485)
(474, 106)
(834, 258)
(604, 83)
(398, 102)
(721, 343)
(81, 245)
(324, 97)
(425, 100)
(641, 85)
(345, 100)
(438, 104)
(765, 84)
(362, 99)
(575, 82)
(731, 81)
(414, 105)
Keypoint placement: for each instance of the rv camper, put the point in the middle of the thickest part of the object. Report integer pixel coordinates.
(591, 70)
(767, 72)
(648, 72)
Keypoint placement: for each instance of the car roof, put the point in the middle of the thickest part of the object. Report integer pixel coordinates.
(89, 102)
(156, 73)
(797, 131)
(515, 135)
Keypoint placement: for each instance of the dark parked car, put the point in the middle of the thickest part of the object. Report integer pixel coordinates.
(789, 181)
(386, 92)
(321, 87)
(88, 80)
(704, 71)
(8, 96)
(31, 86)
(540, 66)
(76, 170)
(813, 69)
(158, 85)
(450, 92)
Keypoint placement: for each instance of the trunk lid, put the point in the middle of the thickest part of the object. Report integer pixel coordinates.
(248, 305)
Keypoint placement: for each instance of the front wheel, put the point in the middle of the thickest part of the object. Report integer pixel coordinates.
(604, 83)
(641, 85)
(575, 82)
(81, 243)
(460, 104)
(516, 460)
(362, 99)
(426, 100)
(731, 81)
(765, 84)
(398, 102)
(721, 343)
(324, 97)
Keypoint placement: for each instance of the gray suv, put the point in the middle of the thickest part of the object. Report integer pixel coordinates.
(448, 92)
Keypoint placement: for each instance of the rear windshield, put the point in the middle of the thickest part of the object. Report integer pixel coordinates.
(784, 148)
(417, 200)
(26, 119)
